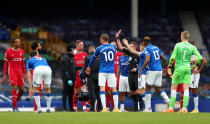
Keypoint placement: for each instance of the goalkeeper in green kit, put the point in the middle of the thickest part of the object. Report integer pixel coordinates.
(182, 73)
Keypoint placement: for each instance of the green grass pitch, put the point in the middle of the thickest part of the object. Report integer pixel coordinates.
(103, 118)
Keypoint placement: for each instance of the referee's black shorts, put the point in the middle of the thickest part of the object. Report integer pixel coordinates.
(133, 81)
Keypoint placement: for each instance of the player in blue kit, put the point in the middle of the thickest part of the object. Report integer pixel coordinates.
(123, 81)
(142, 78)
(106, 72)
(155, 71)
(150, 59)
(42, 72)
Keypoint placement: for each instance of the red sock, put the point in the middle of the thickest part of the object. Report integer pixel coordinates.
(14, 98)
(83, 103)
(19, 94)
(112, 101)
(181, 102)
(108, 99)
(35, 107)
(40, 94)
(75, 100)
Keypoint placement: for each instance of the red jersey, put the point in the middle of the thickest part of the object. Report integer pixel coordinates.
(116, 61)
(14, 60)
(79, 58)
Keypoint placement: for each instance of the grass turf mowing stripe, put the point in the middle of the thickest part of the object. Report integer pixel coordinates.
(102, 118)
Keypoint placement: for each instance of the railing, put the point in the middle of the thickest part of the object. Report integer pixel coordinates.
(53, 45)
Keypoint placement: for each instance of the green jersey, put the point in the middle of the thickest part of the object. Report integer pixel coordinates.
(183, 52)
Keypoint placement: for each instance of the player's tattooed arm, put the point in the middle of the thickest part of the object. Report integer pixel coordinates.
(164, 64)
(204, 62)
(146, 62)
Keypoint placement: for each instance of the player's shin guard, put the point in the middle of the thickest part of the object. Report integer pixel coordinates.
(14, 98)
(164, 96)
(19, 94)
(172, 99)
(75, 100)
(115, 98)
(195, 98)
(186, 98)
(48, 99)
(103, 99)
(148, 99)
(37, 99)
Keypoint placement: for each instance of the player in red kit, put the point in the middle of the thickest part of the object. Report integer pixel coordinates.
(180, 87)
(36, 47)
(14, 62)
(109, 97)
(79, 58)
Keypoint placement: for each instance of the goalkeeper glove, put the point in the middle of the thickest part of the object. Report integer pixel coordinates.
(70, 82)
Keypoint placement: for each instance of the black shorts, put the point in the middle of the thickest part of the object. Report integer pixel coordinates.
(133, 81)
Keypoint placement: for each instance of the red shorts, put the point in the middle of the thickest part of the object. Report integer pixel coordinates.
(78, 82)
(180, 88)
(16, 77)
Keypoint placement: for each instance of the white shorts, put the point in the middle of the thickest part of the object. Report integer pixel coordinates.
(42, 73)
(123, 84)
(154, 78)
(109, 77)
(142, 82)
(194, 80)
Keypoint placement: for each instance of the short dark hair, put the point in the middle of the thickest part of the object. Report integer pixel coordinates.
(13, 41)
(33, 53)
(34, 45)
(134, 43)
(147, 39)
(105, 37)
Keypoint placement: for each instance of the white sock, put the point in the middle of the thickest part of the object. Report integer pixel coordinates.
(195, 102)
(37, 100)
(103, 99)
(48, 99)
(84, 107)
(115, 99)
(96, 102)
(148, 101)
(122, 107)
(144, 99)
(164, 96)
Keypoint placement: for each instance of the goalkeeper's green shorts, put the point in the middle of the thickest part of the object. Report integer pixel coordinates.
(182, 74)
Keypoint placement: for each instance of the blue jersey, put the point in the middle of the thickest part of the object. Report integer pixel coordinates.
(107, 56)
(35, 62)
(155, 53)
(123, 64)
(141, 62)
